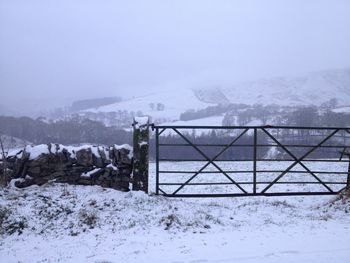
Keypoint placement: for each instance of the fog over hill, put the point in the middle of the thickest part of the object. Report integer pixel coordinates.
(309, 89)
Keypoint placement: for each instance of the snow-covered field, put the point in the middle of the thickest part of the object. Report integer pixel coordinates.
(245, 176)
(58, 223)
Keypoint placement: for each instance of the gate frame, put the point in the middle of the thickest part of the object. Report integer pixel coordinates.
(159, 129)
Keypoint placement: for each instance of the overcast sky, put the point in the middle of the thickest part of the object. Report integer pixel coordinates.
(55, 51)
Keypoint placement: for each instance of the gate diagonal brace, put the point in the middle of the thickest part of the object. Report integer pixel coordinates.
(161, 131)
(164, 193)
(342, 153)
(210, 161)
(298, 160)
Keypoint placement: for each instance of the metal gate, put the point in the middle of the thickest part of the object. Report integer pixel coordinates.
(253, 161)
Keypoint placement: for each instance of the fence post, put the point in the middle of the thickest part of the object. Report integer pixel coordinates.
(141, 154)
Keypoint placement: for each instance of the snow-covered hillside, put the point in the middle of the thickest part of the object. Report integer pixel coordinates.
(313, 88)
(309, 89)
(175, 102)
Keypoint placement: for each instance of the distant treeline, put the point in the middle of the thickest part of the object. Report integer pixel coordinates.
(242, 114)
(208, 112)
(300, 116)
(93, 103)
(73, 131)
(188, 152)
(243, 148)
(79, 105)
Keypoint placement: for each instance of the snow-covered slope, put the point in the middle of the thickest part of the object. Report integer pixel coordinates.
(309, 89)
(313, 88)
(175, 102)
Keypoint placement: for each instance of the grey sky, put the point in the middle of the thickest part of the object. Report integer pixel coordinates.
(54, 51)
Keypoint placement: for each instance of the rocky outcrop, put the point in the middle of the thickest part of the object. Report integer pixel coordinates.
(87, 165)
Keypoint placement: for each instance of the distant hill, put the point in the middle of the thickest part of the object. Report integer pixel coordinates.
(305, 90)
(309, 89)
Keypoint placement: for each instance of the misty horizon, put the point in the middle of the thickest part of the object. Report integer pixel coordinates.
(52, 53)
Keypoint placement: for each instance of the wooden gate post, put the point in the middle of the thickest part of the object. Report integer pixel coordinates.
(141, 152)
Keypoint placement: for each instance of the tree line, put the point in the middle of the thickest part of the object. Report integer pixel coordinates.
(72, 131)
(243, 114)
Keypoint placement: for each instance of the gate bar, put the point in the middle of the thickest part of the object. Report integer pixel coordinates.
(249, 171)
(251, 160)
(251, 194)
(251, 145)
(251, 127)
(229, 183)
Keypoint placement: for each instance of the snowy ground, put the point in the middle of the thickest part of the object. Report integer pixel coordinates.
(58, 223)
(213, 176)
(170, 97)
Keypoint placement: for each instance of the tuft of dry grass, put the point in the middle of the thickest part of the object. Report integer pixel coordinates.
(88, 218)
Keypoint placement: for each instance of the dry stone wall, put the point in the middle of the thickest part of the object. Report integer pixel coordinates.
(86, 165)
